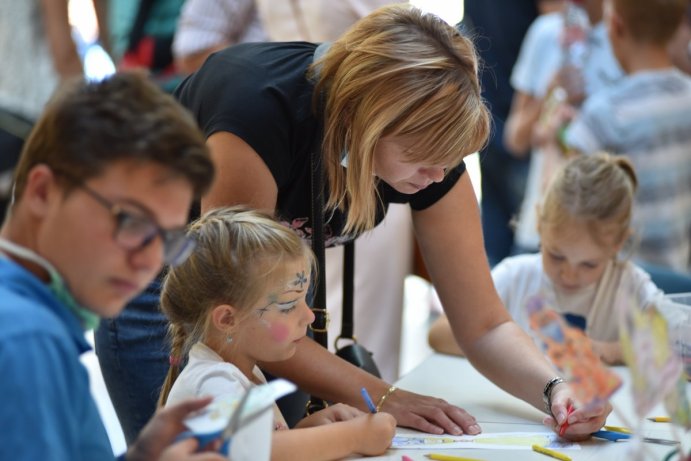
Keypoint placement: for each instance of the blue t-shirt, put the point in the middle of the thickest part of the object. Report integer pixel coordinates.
(47, 410)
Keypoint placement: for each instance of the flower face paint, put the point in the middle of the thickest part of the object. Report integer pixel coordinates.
(281, 318)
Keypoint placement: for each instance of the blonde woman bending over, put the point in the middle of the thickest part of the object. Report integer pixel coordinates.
(400, 105)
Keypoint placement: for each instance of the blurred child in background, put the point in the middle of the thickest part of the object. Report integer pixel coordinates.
(583, 222)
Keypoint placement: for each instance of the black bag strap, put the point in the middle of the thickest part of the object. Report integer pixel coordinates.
(347, 320)
(319, 326)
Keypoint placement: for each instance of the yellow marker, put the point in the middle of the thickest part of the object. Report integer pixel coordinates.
(623, 430)
(552, 453)
(661, 419)
(439, 457)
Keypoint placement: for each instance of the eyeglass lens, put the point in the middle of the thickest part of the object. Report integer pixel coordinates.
(135, 232)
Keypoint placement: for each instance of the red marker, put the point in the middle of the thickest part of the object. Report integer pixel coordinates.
(562, 429)
(406, 458)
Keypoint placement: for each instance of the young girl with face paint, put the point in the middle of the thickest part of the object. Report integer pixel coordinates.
(239, 300)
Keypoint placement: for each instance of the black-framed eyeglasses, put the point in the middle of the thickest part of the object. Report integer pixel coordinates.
(134, 232)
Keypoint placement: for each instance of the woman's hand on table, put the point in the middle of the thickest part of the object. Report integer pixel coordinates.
(429, 414)
(582, 421)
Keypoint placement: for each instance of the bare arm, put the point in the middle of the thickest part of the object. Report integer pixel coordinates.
(367, 435)
(495, 345)
(243, 178)
(59, 35)
(456, 261)
(441, 339)
(518, 130)
(189, 63)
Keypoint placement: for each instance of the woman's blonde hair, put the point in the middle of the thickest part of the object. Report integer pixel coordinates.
(239, 253)
(595, 189)
(397, 72)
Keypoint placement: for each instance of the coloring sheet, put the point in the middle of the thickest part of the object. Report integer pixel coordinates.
(496, 441)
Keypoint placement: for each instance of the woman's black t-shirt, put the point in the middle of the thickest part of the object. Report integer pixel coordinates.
(260, 92)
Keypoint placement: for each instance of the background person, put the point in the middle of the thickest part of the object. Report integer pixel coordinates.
(657, 139)
(583, 223)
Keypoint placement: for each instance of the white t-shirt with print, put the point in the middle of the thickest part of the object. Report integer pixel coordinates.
(519, 278)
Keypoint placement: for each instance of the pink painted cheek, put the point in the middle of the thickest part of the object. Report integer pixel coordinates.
(279, 332)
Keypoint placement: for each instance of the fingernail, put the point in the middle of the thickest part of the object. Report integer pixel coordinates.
(456, 430)
(561, 417)
(474, 429)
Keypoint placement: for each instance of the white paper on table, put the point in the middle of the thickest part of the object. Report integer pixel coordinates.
(495, 441)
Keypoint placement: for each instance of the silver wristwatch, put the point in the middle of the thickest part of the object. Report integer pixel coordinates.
(547, 392)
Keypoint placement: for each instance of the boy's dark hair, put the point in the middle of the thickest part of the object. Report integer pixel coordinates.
(89, 125)
(652, 21)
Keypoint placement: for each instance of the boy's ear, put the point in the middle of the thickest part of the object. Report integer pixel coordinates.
(224, 317)
(40, 191)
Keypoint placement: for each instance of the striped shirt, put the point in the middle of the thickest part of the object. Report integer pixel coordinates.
(647, 116)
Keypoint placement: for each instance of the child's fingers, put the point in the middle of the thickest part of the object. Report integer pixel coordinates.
(342, 412)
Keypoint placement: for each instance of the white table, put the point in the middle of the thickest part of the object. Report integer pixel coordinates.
(456, 381)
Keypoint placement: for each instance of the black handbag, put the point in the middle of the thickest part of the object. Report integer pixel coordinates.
(354, 353)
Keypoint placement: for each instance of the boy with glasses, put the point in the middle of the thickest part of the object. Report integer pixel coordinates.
(101, 197)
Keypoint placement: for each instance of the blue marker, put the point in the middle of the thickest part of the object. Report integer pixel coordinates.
(368, 400)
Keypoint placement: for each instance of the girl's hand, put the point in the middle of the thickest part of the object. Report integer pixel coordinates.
(373, 433)
(582, 421)
(330, 414)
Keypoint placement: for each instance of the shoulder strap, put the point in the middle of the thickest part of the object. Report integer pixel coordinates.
(319, 326)
(347, 319)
